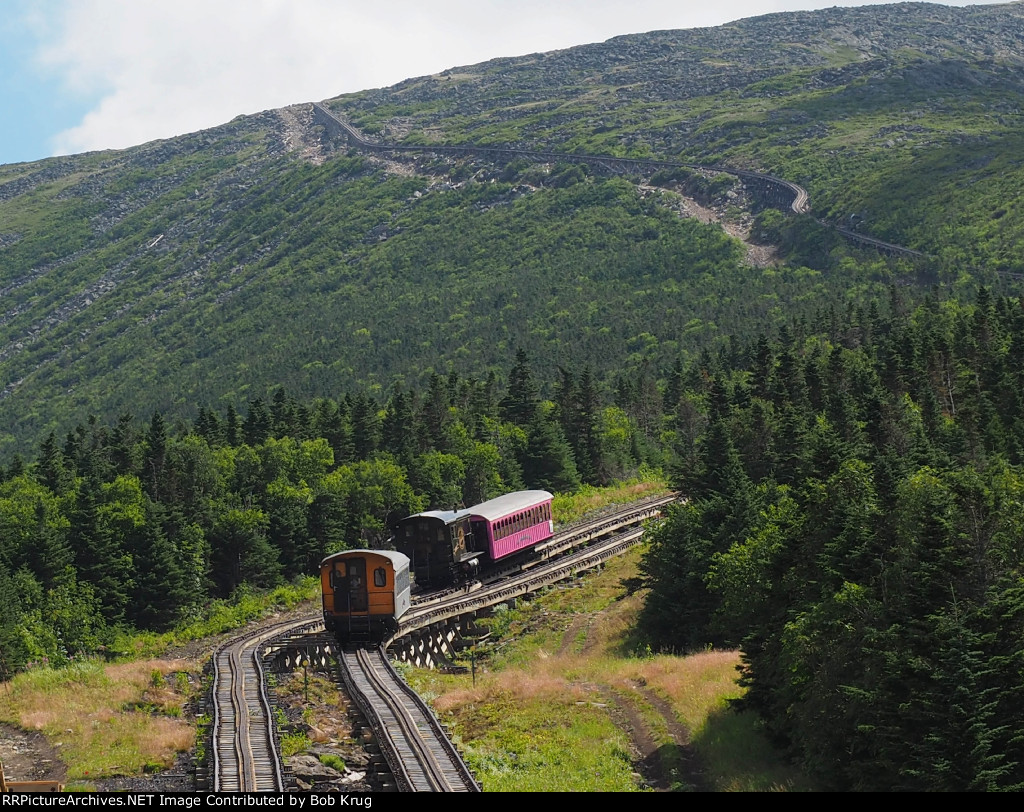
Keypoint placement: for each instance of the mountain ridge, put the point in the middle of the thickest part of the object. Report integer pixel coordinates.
(211, 267)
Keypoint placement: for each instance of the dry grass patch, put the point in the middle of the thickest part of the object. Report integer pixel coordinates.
(696, 685)
(545, 683)
(538, 702)
(106, 719)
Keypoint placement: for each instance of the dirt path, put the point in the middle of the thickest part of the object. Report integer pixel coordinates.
(664, 767)
(573, 632)
(27, 755)
(691, 768)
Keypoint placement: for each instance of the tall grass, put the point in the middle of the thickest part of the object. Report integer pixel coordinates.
(127, 718)
(540, 715)
(105, 719)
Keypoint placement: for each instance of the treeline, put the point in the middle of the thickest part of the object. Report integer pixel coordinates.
(856, 525)
(137, 526)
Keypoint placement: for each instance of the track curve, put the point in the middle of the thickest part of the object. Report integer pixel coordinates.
(245, 751)
(797, 196)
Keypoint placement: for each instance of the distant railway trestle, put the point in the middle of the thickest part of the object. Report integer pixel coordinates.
(776, 191)
(772, 190)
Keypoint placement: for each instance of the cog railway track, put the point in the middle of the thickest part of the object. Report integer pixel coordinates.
(246, 757)
(413, 742)
(245, 752)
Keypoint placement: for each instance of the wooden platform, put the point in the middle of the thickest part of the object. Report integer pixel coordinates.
(7, 785)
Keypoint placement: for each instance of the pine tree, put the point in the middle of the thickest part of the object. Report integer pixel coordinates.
(232, 427)
(521, 402)
(258, 424)
(162, 586)
(547, 459)
(155, 472)
(99, 557)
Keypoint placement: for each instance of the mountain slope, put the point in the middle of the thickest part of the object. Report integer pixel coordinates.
(213, 266)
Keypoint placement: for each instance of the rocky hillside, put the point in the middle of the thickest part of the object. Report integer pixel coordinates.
(211, 267)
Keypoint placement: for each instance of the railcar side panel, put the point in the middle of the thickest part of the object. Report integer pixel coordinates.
(513, 522)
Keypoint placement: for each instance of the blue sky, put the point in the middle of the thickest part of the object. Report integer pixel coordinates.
(78, 75)
(35, 102)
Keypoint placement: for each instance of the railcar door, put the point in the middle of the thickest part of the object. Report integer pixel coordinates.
(354, 585)
(421, 565)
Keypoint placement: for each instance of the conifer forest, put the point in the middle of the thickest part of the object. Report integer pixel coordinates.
(229, 354)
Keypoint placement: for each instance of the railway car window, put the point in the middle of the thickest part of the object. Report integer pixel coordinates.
(380, 577)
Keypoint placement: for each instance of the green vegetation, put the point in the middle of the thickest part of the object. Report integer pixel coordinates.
(572, 507)
(332, 761)
(111, 719)
(207, 269)
(854, 524)
(218, 617)
(555, 681)
(132, 541)
(321, 346)
(292, 743)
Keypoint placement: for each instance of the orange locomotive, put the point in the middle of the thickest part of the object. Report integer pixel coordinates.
(365, 593)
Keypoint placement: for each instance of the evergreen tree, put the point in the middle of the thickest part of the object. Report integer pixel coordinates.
(162, 587)
(100, 559)
(258, 424)
(547, 459)
(522, 400)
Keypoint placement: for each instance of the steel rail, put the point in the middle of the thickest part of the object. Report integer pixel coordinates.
(413, 742)
(536, 572)
(420, 747)
(522, 584)
(243, 721)
(581, 532)
(245, 750)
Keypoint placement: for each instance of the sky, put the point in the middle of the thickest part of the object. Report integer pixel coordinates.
(81, 75)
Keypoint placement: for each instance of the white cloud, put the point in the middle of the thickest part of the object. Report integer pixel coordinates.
(167, 67)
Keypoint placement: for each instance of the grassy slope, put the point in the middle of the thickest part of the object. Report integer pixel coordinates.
(546, 709)
(882, 111)
(592, 273)
(129, 717)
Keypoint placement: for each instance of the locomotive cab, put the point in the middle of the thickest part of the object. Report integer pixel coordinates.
(365, 592)
(439, 544)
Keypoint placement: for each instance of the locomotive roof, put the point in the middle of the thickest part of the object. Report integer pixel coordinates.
(445, 516)
(502, 506)
(398, 560)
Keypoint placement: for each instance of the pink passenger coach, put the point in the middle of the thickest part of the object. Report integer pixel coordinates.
(510, 523)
